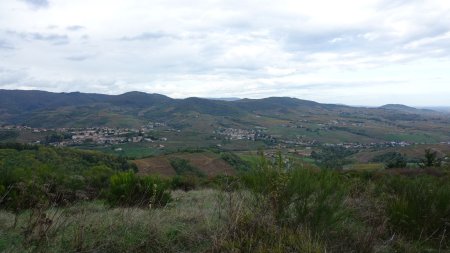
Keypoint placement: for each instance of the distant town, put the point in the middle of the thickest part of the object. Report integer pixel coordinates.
(95, 135)
(114, 136)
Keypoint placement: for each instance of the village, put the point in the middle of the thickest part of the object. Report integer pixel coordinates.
(95, 135)
(154, 132)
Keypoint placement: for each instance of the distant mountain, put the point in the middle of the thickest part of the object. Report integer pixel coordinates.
(282, 116)
(445, 109)
(225, 99)
(41, 108)
(397, 107)
(407, 109)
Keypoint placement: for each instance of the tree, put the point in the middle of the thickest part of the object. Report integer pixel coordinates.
(391, 160)
(431, 159)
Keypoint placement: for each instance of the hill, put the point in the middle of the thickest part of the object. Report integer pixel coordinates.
(408, 109)
(285, 118)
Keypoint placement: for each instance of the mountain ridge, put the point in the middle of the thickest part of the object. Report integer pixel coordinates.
(43, 108)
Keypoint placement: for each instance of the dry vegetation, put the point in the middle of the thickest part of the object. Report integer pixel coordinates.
(209, 163)
(269, 208)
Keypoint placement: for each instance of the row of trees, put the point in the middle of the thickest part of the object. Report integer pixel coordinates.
(337, 157)
(398, 160)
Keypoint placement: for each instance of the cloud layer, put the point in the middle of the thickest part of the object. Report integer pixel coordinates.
(354, 52)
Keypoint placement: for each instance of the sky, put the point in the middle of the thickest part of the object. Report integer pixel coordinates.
(355, 52)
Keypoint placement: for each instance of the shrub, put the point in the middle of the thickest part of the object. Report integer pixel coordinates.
(127, 189)
(431, 159)
(185, 183)
(235, 161)
(317, 199)
(33, 174)
(418, 208)
(98, 176)
(252, 233)
(391, 160)
(8, 134)
(330, 157)
(299, 196)
(183, 167)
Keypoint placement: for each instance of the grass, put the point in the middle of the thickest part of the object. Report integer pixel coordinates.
(271, 208)
(413, 137)
(188, 223)
(135, 150)
(320, 212)
(365, 166)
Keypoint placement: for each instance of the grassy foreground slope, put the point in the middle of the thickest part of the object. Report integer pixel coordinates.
(270, 207)
(189, 224)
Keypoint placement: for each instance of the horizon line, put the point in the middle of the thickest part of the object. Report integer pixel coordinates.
(226, 98)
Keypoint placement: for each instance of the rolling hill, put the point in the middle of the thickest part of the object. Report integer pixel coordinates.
(285, 117)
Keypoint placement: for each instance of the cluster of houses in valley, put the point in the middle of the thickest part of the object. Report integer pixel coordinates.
(150, 133)
(323, 126)
(15, 127)
(256, 134)
(111, 136)
(94, 135)
(302, 141)
(387, 144)
(236, 133)
(103, 136)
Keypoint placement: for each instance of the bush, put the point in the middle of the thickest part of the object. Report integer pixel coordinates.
(391, 160)
(332, 157)
(127, 189)
(299, 196)
(418, 208)
(185, 183)
(431, 159)
(254, 234)
(183, 167)
(98, 176)
(34, 174)
(317, 199)
(8, 134)
(235, 161)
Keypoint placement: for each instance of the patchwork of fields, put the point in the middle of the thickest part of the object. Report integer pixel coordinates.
(209, 163)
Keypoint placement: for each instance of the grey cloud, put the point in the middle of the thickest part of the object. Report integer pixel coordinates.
(276, 48)
(21, 78)
(437, 45)
(53, 38)
(11, 76)
(49, 37)
(391, 4)
(6, 46)
(74, 28)
(37, 3)
(149, 36)
(325, 40)
(78, 57)
(372, 42)
(333, 85)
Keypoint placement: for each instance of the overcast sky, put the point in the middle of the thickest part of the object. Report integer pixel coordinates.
(357, 52)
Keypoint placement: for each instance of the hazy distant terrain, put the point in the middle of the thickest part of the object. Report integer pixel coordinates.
(277, 174)
(445, 109)
(279, 117)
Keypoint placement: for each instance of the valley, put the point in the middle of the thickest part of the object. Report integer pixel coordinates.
(260, 168)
